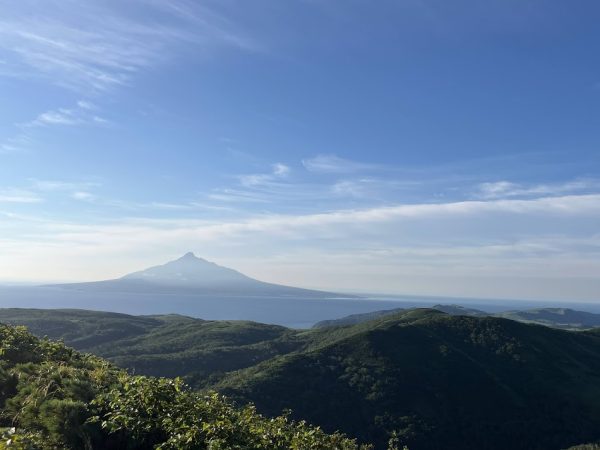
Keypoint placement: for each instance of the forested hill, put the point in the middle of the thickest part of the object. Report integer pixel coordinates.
(170, 345)
(564, 318)
(439, 381)
(432, 379)
(52, 397)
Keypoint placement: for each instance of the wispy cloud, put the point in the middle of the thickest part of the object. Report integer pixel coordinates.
(83, 113)
(19, 196)
(278, 189)
(228, 195)
(446, 242)
(283, 188)
(83, 196)
(15, 144)
(507, 189)
(373, 188)
(584, 206)
(78, 115)
(38, 191)
(335, 164)
(84, 104)
(278, 171)
(97, 46)
(61, 185)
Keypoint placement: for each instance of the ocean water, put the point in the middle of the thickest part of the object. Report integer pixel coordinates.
(290, 312)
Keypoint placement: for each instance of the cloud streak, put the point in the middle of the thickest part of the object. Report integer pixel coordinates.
(507, 189)
(585, 206)
(473, 242)
(278, 172)
(328, 163)
(83, 113)
(18, 196)
(99, 46)
(79, 115)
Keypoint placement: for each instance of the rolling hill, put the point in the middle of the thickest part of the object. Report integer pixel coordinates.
(438, 381)
(168, 346)
(435, 380)
(555, 317)
(563, 318)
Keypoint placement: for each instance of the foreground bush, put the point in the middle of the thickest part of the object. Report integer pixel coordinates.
(53, 398)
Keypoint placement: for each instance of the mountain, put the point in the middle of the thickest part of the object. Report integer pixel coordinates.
(564, 318)
(454, 310)
(189, 270)
(354, 319)
(438, 381)
(196, 276)
(457, 310)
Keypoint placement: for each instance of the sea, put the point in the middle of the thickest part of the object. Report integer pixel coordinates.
(287, 311)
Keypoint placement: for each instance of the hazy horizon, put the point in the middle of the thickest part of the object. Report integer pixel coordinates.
(387, 295)
(405, 148)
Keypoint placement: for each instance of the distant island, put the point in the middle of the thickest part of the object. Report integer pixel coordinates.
(192, 275)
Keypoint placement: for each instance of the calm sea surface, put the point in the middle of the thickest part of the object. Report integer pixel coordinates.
(291, 312)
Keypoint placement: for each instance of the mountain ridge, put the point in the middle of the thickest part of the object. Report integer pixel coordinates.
(438, 381)
(563, 318)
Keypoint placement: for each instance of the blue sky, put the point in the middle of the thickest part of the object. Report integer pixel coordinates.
(410, 146)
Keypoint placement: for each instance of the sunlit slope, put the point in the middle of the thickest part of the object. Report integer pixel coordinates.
(170, 345)
(52, 397)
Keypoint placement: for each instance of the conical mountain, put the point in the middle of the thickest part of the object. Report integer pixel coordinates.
(189, 270)
(196, 276)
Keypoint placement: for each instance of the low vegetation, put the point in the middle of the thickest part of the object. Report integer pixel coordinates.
(53, 397)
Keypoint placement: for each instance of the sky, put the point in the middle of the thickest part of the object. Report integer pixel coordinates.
(417, 147)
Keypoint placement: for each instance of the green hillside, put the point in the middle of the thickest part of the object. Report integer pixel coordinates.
(434, 380)
(167, 346)
(353, 319)
(439, 381)
(80, 328)
(457, 310)
(52, 397)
